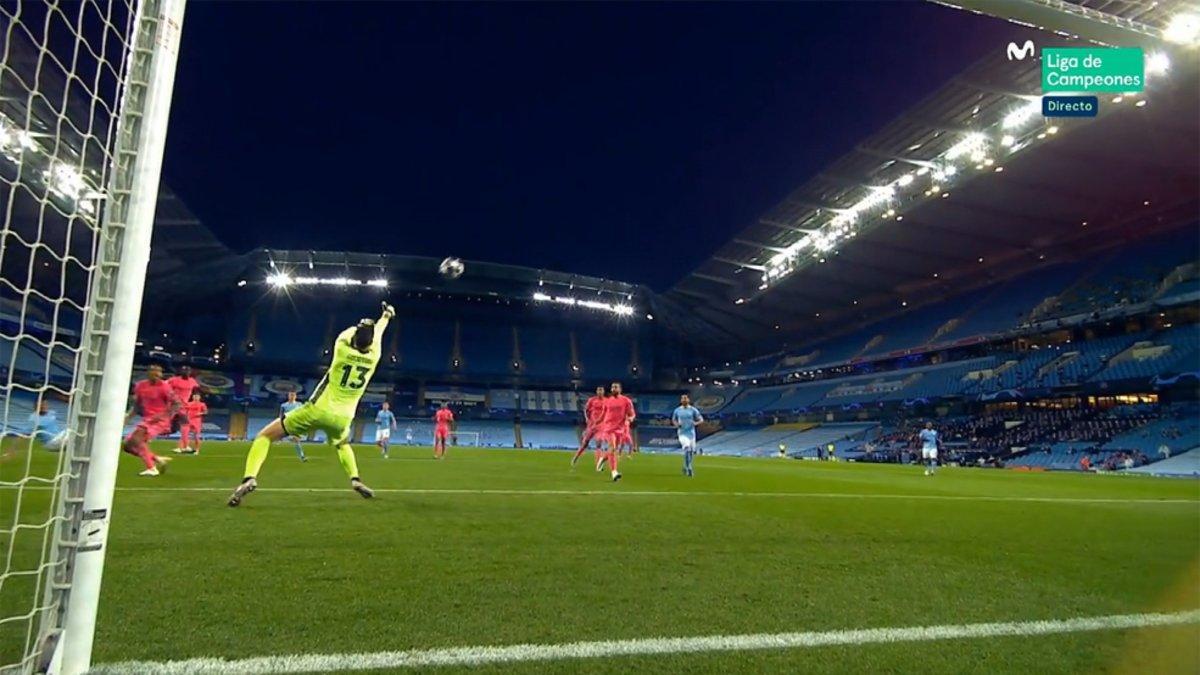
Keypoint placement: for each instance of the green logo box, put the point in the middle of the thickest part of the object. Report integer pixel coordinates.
(1083, 69)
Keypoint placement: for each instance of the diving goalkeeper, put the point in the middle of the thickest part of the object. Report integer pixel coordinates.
(331, 406)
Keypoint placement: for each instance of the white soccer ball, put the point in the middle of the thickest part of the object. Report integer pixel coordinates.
(451, 268)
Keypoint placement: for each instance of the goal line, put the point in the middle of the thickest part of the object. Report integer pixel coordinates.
(510, 654)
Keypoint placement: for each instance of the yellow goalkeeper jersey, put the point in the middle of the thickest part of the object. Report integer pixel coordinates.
(349, 372)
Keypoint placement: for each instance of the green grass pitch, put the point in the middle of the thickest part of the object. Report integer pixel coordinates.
(495, 547)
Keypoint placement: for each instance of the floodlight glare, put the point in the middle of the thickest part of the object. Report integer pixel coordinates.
(1183, 29)
(1157, 63)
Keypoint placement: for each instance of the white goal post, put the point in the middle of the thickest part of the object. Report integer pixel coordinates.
(85, 93)
(464, 439)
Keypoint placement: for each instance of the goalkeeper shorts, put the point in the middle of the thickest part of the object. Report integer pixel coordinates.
(308, 418)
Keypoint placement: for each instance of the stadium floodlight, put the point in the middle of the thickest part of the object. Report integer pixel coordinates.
(620, 309)
(1183, 29)
(284, 280)
(971, 143)
(879, 195)
(1157, 63)
(904, 180)
(279, 280)
(1007, 141)
(1022, 114)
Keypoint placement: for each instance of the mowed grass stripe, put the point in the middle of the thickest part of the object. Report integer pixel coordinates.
(671, 493)
(510, 654)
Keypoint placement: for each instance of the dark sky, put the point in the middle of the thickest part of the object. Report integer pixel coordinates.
(621, 140)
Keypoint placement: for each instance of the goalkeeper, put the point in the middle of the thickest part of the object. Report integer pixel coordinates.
(331, 407)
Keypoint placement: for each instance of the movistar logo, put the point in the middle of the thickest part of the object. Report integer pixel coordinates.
(1019, 53)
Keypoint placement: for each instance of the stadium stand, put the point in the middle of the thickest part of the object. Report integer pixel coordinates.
(543, 435)
(1186, 465)
(1162, 353)
(765, 441)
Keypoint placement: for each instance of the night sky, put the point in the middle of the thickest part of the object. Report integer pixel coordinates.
(622, 140)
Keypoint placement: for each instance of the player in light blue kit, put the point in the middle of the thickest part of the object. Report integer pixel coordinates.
(43, 427)
(385, 422)
(286, 407)
(929, 448)
(684, 419)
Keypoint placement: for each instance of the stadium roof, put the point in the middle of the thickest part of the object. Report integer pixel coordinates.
(190, 267)
(1048, 190)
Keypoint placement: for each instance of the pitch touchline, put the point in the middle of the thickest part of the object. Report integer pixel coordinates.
(669, 493)
(508, 654)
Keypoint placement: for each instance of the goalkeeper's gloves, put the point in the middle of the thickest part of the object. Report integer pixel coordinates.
(388, 310)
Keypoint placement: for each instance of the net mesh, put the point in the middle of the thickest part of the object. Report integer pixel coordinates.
(63, 68)
(465, 438)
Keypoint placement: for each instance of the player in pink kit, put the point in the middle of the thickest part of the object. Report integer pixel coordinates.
(443, 418)
(593, 410)
(618, 413)
(195, 410)
(154, 400)
(184, 385)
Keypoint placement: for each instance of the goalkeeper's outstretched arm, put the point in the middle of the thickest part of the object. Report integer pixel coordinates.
(381, 325)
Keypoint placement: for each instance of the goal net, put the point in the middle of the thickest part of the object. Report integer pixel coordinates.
(464, 439)
(85, 87)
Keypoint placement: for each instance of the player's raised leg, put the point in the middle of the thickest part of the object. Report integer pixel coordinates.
(138, 444)
(588, 435)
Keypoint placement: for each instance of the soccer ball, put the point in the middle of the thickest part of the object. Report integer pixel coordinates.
(451, 268)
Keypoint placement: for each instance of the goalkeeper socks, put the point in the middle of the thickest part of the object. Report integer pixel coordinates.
(349, 463)
(257, 455)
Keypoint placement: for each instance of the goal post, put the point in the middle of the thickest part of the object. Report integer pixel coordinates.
(85, 93)
(465, 439)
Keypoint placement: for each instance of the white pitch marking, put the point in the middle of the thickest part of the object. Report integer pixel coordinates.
(508, 654)
(671, 493)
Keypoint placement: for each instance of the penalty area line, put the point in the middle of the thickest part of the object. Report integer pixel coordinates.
(508, 654)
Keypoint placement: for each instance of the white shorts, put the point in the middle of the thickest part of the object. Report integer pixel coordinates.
(928, 453)
(688, 442)
(383, 434)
